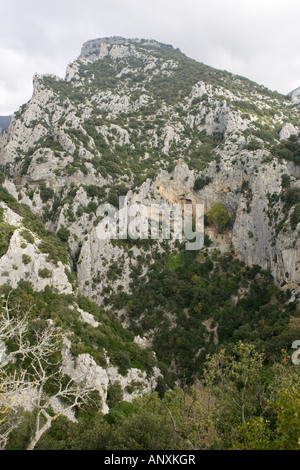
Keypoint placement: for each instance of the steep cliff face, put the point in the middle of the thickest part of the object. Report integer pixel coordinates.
(251, 190)
(4, 123)
(248, 188)
(295, 96)
(138, 118)
(23, 259)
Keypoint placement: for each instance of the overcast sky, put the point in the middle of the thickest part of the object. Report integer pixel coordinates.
(259, 39)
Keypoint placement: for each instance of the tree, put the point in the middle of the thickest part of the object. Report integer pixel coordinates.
(284, 404)
(32, 373)
(143, 424)
(193, 412)
(114, 394)
(279, 429)
(46, 193)
(148, 428)
(10, 417)
(63, 233)
(218, 216)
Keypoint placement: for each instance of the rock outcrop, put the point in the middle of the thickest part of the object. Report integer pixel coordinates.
(134, 384)
(295, 95)
(23, 260)
(108, 123)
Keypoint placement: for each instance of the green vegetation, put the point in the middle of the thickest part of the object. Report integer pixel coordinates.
(200, 183)
(288, 150)
(237, 407)
(114, 394)
(290, 197)
(50, 243)
(27, 236)
(220, 330)
(295, 217)
(254, 145)
(185, 296)
(110, 336)
(26, 259)
(46, 193)
(201, 156)
(218, 216)
(63, 234)
(45, 273)
(174, 262)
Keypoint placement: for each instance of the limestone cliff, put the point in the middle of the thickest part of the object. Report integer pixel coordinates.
(127, 112)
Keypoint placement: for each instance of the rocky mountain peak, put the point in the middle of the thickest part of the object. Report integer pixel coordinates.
(93, 49)
(295, 95)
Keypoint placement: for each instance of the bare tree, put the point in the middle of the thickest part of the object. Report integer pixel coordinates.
(37, 365)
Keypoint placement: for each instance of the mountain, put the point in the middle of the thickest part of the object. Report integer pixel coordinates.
(4, 123)
(295, 96)
(127, 112)
(139, 119)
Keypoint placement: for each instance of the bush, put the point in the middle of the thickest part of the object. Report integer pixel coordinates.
(295, 217)
(27, 236)
(26, 259)
(95, 191)
(200, 183)
(45, 273)
(218, 216)
(6, 232)
(56, 252)
(254, 145)
(290, 197)
(123, 361)
(288, 150)
(114, 394)
(45, 192)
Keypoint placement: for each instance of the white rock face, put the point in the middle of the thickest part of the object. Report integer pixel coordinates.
(136, 379)
(96, 258)
(116, 47)
(21, 133)
(279, 254)
(171, 134)
(87, 318)
(84, 368)
(287, 130)
(296, 96)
